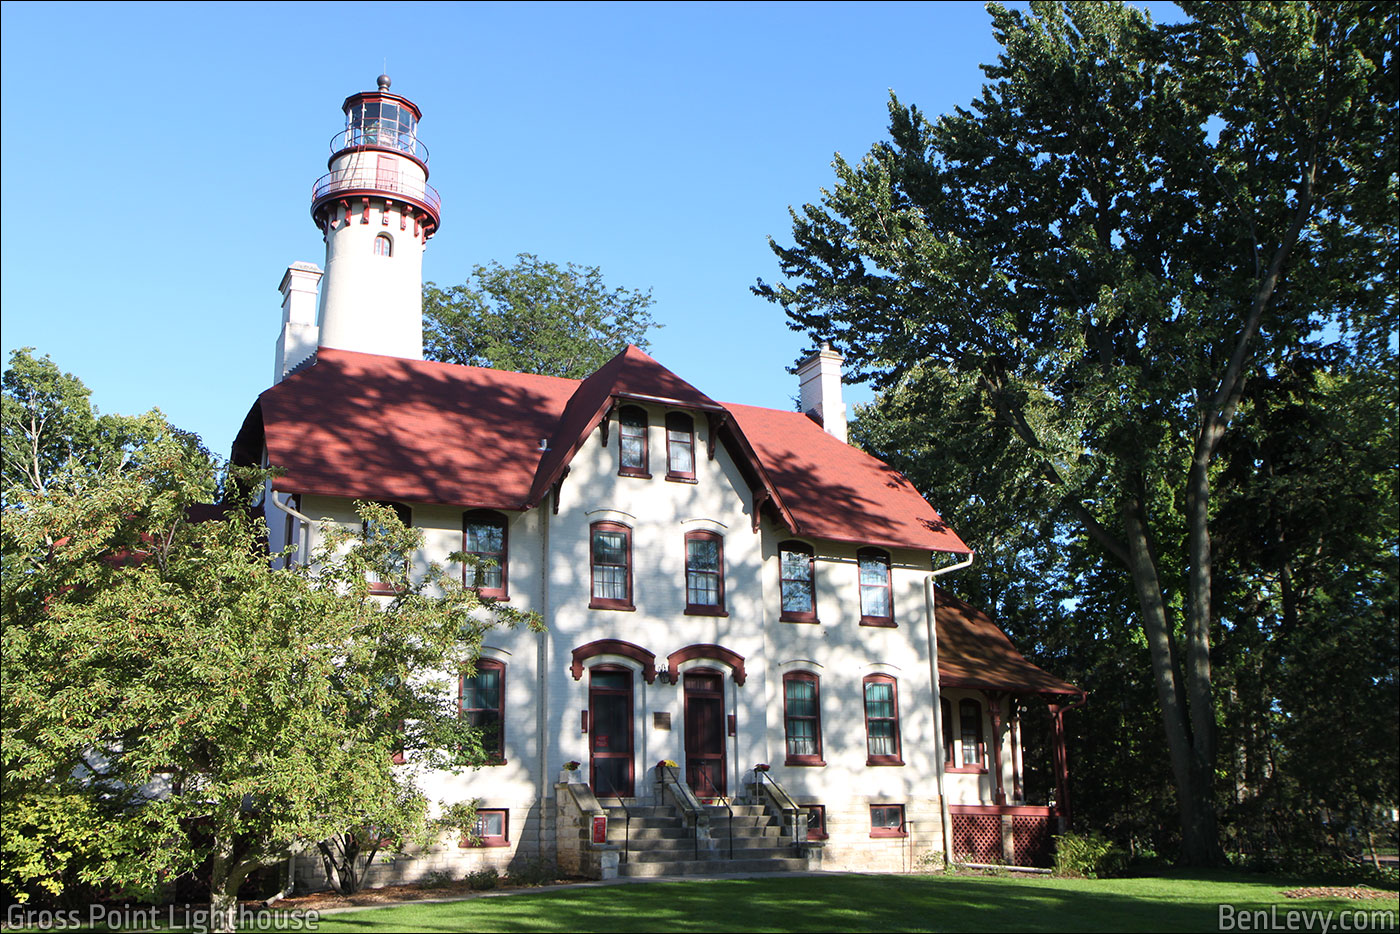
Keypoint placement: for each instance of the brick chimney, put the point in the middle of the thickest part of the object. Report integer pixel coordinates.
(819, 377)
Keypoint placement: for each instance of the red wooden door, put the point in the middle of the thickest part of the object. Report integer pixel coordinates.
(704, 733)
(610, 732)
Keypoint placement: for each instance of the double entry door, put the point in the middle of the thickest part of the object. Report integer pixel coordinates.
(611, 747)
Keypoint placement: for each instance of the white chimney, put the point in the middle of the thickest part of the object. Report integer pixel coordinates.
(820, 394)
(300, 335)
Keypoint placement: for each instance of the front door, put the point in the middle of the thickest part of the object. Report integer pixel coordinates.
(610, 732)
(704, 733)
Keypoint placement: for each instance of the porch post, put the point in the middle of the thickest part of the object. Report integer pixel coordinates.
(994, 704)
(1014, 715)
(1057, 718)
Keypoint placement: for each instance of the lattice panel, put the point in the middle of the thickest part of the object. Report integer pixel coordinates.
(977, 836)
(1031, 841)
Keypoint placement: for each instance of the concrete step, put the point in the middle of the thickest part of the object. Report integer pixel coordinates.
(701, 867)
(639, 811)
(616, 833)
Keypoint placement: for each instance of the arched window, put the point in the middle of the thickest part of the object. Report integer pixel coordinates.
(484, 538)
(973, 752)
(383, 245)
(797, 583)
(610, 564)
(876, 599)
(481, 701)
(802, 718)
(882, 721)
(704, 574)
(680, 446)
(632, 440)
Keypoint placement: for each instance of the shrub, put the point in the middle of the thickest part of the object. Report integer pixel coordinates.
(1090, 855)
(483, 879)
(533, 872)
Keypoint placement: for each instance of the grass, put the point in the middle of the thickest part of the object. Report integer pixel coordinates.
(1175, 902)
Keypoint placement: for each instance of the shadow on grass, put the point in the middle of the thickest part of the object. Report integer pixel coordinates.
(863, 903)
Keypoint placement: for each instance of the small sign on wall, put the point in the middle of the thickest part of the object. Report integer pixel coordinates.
(660, 720)
(600, 830)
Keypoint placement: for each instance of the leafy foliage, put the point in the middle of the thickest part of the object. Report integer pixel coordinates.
(1064, 292)
(211, 704)
(534, 317)
(1089, 855)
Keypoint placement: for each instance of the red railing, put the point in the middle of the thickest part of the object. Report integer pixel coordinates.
(369, 179)
(376, 137)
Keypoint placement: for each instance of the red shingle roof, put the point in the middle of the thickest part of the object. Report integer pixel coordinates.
(371, 427)
(973, 652)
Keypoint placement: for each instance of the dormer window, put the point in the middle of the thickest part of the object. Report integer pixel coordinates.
(680, 446)
(632, 441)
(383, 245)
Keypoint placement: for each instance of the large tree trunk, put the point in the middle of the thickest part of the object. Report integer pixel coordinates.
(225, 879)
(1192, 765)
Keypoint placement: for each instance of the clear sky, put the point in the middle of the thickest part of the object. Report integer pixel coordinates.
(158, 159)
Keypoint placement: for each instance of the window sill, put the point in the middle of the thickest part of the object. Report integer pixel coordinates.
(597, 604)
(705, 611)
(485, 842)
(802, 761)
(966, 769)
(681, 478)
(377, 589)
(887, 832)
(881, 622)
(883, 760)
(639, 474)
(816, 837)
(798, 618)
(500, 596)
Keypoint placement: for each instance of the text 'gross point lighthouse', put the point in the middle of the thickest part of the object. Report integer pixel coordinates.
(377, 211)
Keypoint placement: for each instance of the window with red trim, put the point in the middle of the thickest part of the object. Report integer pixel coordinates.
(610, 557)
(973, 749)
(680, 446)
(383, 245)
(632, 442)
(949, 758)
(797, 583)
(887, 820)
(876, 597)
(492, 828)
(816, 821)
(371, 529)
(704, 574)
(292, 532)
(802, 718)
(481, 701)
(882, 721)
(484, 538)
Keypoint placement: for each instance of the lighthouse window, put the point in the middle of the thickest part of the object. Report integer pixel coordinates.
(383, 246)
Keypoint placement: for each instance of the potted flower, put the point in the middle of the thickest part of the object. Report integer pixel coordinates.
(662, 766)
(761, 767)
(570, 771)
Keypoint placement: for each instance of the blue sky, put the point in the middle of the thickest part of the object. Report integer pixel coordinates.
(157, 163)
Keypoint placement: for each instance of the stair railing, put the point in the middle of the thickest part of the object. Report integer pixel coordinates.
(626, 823)
(776, 796)
(713, 792)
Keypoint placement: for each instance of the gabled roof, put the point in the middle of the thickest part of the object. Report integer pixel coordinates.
(366, 426)
(973, 652)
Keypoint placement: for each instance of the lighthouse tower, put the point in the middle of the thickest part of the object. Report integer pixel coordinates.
(376, 211)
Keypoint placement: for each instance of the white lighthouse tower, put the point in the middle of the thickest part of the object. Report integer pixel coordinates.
(376, 211)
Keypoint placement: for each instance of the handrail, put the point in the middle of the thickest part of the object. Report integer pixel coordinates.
(627, 821)
(380, 137)
(724, 800)
(361, 177)
(782, 801)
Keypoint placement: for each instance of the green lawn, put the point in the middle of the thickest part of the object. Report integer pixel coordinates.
(1178, 902)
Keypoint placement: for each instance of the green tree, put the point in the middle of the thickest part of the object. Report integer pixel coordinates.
(48, 423)
(211, 704)
(1086, 267)
(534, 317)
